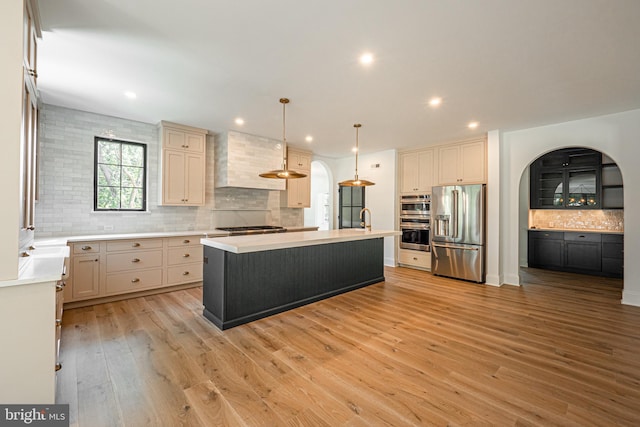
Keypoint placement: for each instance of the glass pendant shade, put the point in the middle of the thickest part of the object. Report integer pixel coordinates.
(356, 182)
(283, 173)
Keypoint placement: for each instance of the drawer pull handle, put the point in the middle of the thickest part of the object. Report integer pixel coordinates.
(135, 280)
(86, 248)
(58, 366)
(136, 245)
(186, 241)
(582, 237)
(186, 256)
(58, 322)
(135, 260)
(186, 273)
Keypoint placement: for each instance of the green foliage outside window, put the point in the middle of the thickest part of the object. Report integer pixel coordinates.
(120, 175)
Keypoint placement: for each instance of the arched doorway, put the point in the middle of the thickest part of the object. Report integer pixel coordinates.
(320, 214)
(576, 196)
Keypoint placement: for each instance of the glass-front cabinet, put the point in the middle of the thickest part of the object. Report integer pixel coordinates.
(568, 178)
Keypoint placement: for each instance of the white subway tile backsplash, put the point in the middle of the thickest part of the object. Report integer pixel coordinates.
(65, 205)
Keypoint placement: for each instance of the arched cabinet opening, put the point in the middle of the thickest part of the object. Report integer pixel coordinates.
(576, 220)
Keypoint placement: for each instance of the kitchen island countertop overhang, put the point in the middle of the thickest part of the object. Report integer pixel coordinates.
(267, 242)
(246, 278)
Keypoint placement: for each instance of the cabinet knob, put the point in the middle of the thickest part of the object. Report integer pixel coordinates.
(135, 280)
(186, 241)
(415, 258)
(60, 286)
(86, 248)
(186, 273)
(186, 256)
(58, 322)
(136, 245)
(58, 366)
(135, 260)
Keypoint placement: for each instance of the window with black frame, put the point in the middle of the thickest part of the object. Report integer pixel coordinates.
(120, 175)
(351, 202)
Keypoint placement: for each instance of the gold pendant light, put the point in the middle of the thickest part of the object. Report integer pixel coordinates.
(356, 182)
(283, 173)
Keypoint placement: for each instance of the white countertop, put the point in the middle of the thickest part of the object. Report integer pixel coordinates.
(44, 265)
(267, 242)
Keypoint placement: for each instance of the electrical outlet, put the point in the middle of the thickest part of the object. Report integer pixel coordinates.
(375, 166)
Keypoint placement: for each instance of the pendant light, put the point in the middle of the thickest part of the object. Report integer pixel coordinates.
(356, 182)
(283, 173)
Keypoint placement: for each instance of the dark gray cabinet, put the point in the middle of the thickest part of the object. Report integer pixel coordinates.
(587, 253)
(566, 179)
(583, 251)
(546, 249)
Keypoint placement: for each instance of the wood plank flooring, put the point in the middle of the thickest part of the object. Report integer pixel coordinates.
(413, 350)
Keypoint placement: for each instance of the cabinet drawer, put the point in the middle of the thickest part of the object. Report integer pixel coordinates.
(86, 247)
(184, 240)
(416, 258)
(612, 238)
(184, 274)
(133, 281)
(134, 260)
(546, 235)
(582, 237)
(133, 245)
(186, 255)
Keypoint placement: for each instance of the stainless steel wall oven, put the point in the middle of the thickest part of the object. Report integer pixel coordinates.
(415, 218)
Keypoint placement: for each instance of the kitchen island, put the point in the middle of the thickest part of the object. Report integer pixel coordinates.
(250, 277)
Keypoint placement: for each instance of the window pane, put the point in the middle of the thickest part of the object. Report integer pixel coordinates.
(131, 176)
(132, 155)
(108, 198)
(346, 217)
(109, 152)
(356, 217)
(346, 196)
(357, 196)
(109, 175)
(131, 198)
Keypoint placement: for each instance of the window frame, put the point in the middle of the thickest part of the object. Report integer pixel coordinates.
(145, 184)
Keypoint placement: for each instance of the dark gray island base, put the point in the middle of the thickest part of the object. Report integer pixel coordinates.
(241, 287)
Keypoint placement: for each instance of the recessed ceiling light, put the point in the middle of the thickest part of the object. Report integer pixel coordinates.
(473, 125)
(366, 58)
(130, 95)
(308, 138)
(239, 121)
(435, 101)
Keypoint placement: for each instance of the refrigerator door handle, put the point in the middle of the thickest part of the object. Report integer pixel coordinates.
(454, 212)
(467, 248)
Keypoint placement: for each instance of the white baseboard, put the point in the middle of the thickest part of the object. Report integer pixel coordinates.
(631, 298)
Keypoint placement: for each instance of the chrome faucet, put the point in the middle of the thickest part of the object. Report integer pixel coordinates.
(362, 219)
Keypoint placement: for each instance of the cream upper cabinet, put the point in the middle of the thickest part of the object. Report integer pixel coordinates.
(298, 194)
(416, 171)
(182, 165)
(463, 163)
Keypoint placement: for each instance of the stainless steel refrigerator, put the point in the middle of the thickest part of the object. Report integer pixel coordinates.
(458, 231)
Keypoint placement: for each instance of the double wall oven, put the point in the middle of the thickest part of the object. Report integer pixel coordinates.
(415, 217)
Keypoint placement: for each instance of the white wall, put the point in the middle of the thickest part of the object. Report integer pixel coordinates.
(616, 135)
(10, 119)
(379, 198)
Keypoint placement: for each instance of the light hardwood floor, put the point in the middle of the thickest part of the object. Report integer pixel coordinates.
(414, 350)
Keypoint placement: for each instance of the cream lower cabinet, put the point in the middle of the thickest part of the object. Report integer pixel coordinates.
(298, 192)
(108, 268)
(418, 259)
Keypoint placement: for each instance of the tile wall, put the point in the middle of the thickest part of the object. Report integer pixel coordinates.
(65, 197)
(595, 220)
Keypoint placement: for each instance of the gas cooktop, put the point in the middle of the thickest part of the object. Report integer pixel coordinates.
(253, 229)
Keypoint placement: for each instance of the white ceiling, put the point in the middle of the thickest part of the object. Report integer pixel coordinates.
(508, 64)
